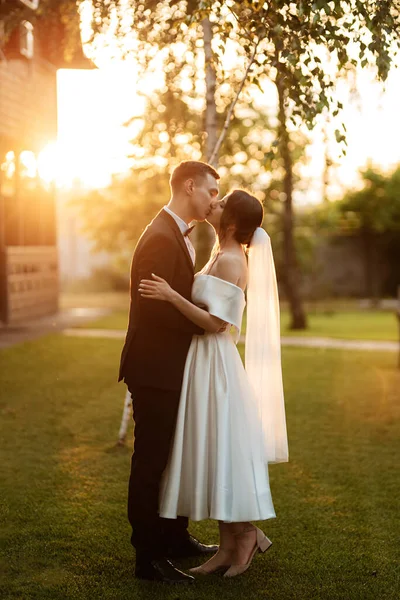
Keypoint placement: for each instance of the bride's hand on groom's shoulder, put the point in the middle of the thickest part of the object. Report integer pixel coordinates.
(156, 288)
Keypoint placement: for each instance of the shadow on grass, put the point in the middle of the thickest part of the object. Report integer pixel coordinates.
(119, 449)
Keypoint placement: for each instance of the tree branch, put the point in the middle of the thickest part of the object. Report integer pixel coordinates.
(231, 108)
(248, 36)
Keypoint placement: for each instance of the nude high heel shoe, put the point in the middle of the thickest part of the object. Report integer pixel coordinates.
(215, 564)
(262, 544)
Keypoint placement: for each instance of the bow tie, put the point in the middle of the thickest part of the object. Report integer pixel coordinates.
(189, 230)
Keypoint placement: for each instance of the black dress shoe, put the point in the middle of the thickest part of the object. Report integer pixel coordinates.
(161, 570)
(189, 548)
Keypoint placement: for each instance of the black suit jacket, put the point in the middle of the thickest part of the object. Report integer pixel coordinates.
(158, 336)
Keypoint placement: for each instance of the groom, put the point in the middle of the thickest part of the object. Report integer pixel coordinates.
(152, 365)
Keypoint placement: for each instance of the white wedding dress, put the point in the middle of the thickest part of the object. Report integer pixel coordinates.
(217, 466)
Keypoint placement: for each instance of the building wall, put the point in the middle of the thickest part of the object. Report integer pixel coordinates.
(77, 257)
(28, 104)
(28, 122)
(339, 270)
(341, 266)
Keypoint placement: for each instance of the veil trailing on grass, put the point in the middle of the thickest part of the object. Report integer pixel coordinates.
(263, 347)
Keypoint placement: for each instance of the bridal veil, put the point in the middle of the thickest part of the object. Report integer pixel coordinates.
(263, 347)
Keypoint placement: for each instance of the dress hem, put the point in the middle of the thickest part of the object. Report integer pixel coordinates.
(215, 517)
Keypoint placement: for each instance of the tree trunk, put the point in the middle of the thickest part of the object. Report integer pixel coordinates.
(210, 115)
(204, 237)
(327, 164)
(291, 268)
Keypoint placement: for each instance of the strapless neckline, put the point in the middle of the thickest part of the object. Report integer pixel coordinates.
(219, 279)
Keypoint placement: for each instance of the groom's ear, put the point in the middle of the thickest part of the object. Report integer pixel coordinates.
(189, 186)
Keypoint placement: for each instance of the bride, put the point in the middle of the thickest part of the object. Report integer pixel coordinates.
(231, 421)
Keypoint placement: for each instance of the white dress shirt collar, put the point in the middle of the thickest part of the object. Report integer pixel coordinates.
(180, 222)
(183, 228)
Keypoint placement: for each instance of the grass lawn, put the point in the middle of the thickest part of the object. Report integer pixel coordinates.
(348, 325)
(345, 324)
(64, 533)
(113, 300)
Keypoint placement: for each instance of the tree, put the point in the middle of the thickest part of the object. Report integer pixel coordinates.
(282, 41)
(114, 218)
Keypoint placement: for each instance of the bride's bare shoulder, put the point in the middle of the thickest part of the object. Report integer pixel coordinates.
(231, 267)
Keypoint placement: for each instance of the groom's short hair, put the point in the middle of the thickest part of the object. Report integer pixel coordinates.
(190, 169)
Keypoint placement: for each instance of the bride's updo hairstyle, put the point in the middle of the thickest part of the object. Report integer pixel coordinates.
(245, 212)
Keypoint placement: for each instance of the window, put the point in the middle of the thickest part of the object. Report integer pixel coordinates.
(33, 4)
(26, 39)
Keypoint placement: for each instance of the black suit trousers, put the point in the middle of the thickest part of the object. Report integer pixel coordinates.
(154, 413)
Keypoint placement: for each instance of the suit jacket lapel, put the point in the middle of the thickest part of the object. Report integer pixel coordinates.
(172, 224)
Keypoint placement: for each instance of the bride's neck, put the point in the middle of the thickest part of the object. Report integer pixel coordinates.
(227, 243)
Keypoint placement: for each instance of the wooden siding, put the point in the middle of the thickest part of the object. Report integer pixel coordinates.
(28, 253)
(32, 282)
(28, 104)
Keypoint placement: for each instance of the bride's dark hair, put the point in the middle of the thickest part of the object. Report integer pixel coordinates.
(245, 212)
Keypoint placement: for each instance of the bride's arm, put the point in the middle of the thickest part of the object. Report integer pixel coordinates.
(159, 289)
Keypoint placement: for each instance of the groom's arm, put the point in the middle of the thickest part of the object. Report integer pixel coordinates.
(159, 255)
